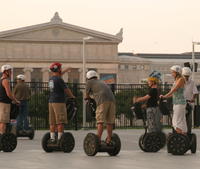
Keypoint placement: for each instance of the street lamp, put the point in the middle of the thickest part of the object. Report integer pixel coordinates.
(83, 80)
(193, 58)
(84, 62)
(193, 68)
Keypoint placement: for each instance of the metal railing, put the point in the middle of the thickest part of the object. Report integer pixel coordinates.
(124, 93)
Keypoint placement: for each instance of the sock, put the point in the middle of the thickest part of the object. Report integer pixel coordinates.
(52, 135)
(59, 135)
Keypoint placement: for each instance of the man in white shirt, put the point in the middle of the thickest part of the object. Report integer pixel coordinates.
(190, 93)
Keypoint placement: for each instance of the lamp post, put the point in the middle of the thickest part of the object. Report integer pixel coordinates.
(193, 68)
(193, 57)
(84, 78)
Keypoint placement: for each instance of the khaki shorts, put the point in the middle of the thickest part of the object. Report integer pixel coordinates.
(57, 113)
(4, 112)
(106, 113)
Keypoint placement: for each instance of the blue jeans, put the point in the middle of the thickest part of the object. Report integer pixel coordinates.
(22, 119)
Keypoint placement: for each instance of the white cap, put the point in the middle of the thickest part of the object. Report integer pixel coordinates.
(21, 77)
(176, 68)
(5, 67)
(186, 71)
(91, 74)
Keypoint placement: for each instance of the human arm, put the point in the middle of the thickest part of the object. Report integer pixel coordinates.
(69, 93)
(195, 93)
(142, 99)
(87, 90)
(180, 83)
(66, 70)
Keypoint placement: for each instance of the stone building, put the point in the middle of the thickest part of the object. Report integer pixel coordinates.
(30, 50)
(133, 68)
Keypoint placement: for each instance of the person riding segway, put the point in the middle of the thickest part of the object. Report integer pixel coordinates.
(178, 142)
(105, 113)
(57, 139)
(190, 94)
(8, 140)
(153, 139)
(22, 92)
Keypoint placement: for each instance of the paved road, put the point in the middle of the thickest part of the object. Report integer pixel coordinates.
(29, 155)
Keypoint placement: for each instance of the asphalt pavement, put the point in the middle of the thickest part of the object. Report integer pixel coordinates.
(30, 155)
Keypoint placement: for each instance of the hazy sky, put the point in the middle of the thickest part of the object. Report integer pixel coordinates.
(153, 26)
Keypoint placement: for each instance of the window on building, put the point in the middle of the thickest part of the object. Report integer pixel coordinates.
(126, 67)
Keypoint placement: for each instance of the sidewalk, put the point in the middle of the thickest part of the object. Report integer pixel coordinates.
(30, 155)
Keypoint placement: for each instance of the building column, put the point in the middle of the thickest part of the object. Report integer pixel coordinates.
(80, 70)
(27, 73)
(45, 74)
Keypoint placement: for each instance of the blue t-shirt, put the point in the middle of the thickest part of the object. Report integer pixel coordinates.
(57, 87)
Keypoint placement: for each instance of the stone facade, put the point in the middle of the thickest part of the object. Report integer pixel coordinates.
(35, 47)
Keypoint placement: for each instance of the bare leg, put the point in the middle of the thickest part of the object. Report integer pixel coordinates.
(99, 130)
(2, 128)
(52, 128)
(109, 132)
(179, 131)
(60, 130)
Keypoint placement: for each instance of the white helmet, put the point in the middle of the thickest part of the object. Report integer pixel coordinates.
(176, 68)
(90, 74)
(5, 67)
(21, 77)
(186, 71)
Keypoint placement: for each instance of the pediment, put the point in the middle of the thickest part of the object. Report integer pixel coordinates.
(53, 31)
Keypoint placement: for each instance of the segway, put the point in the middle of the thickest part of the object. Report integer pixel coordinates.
(92, 145)
(65, 144)
(30, 133)
(179, 144)
(149, 141)
(8, 140)
(192, 136)
(21, 133)
(67, 141)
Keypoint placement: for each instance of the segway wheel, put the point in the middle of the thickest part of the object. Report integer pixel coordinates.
(32, 134)
(67, 142)
(91, 144)
(45, 139)
(8, 142)
(117, 145)
(163, 139)
(152, 142)
(193, 143)
(140, 143)
(177, 144)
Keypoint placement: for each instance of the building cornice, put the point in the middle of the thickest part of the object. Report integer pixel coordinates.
(58, 23)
